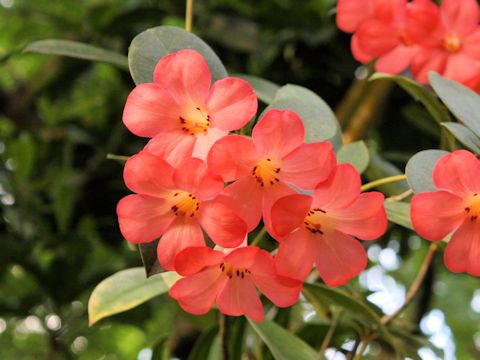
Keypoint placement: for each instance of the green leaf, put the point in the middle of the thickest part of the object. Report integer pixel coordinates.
(398, 212)
(319, 120)
(462, 102)
(203, 346)
(355, 307)
(148, 252)
(379, 168)
(125, 290)
(151, 45)
(420, 93)
(464, 135)
(264, 89)
(419, 170)
(77, 50)
(356, 154)
(282, 343)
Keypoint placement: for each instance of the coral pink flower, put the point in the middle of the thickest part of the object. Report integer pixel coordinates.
(230, 280)
(265, 164)
(454, 207)
(450, 40)
(181, 112)
(320, 228)
(175, 204)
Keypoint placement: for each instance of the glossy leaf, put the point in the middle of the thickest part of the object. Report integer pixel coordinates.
(319, 120)
(151, 45)
(420, 93)
(148, 252)
(356, 154)
(462, 102)
(125, 290)
(419, 170)
(264, 89)
(380, 168)
(463, 134)
(77, 50)
(282, 343)
(398, 212)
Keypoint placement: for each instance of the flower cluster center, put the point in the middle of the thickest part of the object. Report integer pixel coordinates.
(473, 209)
(452, 43)
(195, 122)
(231, 270)
(314, 219)
(266, 173)
(184, 204)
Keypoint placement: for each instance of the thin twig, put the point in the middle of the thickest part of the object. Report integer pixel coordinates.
(259, 237)
(361, 348)
(224, 333)
(189, 16)
(329, 335)
(412, 291)
(387, 180)
(117, 157)
(401, 196)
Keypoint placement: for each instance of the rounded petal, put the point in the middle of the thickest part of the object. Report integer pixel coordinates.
(463, 251)
(150, 110)
(185, 75)
(461, 68)
(460, 17)
(278, 133)
(341, 188)
(232, 157)
(339, 258)
(205, 141)
(351, 13)
(232, 103)
(197, 293)
(423, 25)
(270, 195)
(308, 165)
(147, 174)
(458, 173)
(143, 218)
(365, 218)
(222, 224)
(243, 257)
(296, 255)
(239, 297)
(173, 146)
(195, 259)
(397, 60)
(436, 214)
(181, 234)
(358, 53)
(377, 37)
(288, 213)
(427, 60)
(471, 45)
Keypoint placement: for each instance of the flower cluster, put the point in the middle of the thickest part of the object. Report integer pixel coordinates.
(418, 35)
(193, 177)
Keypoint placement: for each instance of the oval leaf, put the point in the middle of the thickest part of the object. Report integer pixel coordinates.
(282, 343)
(464, 135)
(264, 89)
(77, 50)
(462, 102)
(419, 170)
(356, 154)
(398, 212)
(125, 290)
(151, 45)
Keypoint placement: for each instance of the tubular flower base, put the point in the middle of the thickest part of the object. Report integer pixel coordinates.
(454, 207)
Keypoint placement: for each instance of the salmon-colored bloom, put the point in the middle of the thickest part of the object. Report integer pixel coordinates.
(266, 163)
(450, 40)
(454, 207)
(175, 204)
(321, 228)
(181, 112)
(231, 281)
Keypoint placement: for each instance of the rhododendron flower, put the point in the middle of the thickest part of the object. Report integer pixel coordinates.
(450, 40)
(320, 228)
(230, 280)
(175, 204)
(266, 163)
(454, 207)
(181, 112)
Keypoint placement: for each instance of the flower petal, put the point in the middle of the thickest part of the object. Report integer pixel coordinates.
(278, 133)
(436, 214)
(460, 17)
(427, 60)
(396, 60)
(339, 258)
(143, 218)
(270, 195)
(173, 146)
(243, 257)
(376, 37)
(205, 141)
(308, 165)
(351, 13)
(185, 75)
(181, 234)
(194, 259)
(461, 68)
(288, 213)
(222, 224)
(463, 251)
(231, 104)
(358, 53)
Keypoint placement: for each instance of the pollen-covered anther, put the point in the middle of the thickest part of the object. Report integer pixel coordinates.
(184, 204)
(451, 43)
(231, 271)
(197, 121)
(266, 172)
(313, 220)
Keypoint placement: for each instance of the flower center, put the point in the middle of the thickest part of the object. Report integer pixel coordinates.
(473, 208)
(231, 271)
(266, 172)
(184, 204)
(314, 219)
(451, 43)
(195, 121)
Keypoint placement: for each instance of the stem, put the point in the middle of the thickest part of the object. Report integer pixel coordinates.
(120, 158)
(224, 333)
(383, 181)
(259, 237)
(401, 196)
(329, 335)
(412, 291)
(189, 16)
(361, 348)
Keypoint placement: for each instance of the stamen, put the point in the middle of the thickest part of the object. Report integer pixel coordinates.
(266, 172)
(184, 204)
